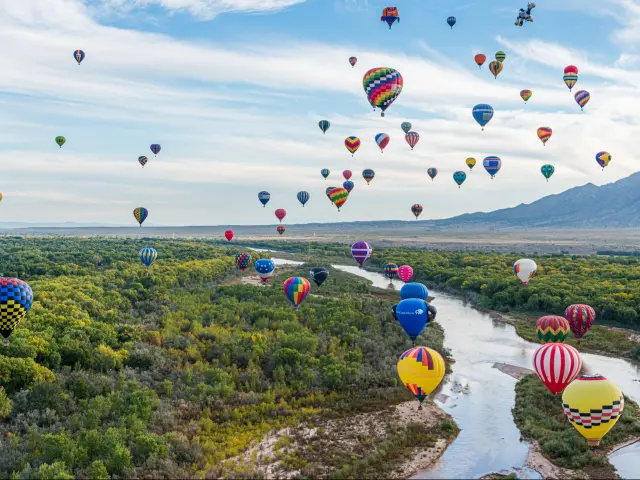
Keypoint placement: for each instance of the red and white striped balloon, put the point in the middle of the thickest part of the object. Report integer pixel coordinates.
(557, 365)
(405, 272)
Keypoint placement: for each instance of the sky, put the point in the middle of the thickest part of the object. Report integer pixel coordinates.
(233, 91)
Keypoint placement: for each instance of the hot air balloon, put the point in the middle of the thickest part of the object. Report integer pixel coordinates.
(580, 318)
(571, 69)
(603, 159)
(525, 269)
(242, 260)
(348, 185)
(280, 229)
(382, 139)
(414, 290)
(547, 170)
(459, 177)
(16, 298)
(352, 144)
(451, 21)
(544, 134)
(526, 95)
(582, 98)
(552, 329)
(570, 76)
(480, 59)
(228, 235)
(390, 15)
(148, 256)
(492, 165)
(353, 61)
(405, 272)
(325, 172)
(328, 192)
(155, 148)
(264, 268)
(60, 141)
(482, 114)
(361, 251)
(557, 365)
(296, 289)
(495, 68)
(421, 369)
(140, 214)
(324, 125)
(391, 271)
(412, 316)
(416, 210)
(501, 56)
(79, 56)
(143, 160)
(593, 405)
(368, 175)
(406, 127)
(471, 162)
(303, 197)
(432, 172)
(280, 214)
(319, 275)
(382, 86)
(264, 198)
(412, 139)
(338, 196)
(347, 174)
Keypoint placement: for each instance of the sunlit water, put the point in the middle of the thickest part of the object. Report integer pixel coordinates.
(480, 397)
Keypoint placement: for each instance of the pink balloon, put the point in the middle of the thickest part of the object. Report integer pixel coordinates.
(347, 174)
(405, 272)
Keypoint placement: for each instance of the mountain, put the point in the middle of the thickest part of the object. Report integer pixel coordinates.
(615, 205)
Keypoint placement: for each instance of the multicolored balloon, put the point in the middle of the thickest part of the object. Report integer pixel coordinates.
(451, 21)
(338, 196)
(353, 61)
(319, 275)
(143, 160)
(582, 98)
(525, 269)
(352, 144)
(264, 268)
(557, 365)
(60, 141)
(471, 162)
(495, 68)
(603, 159)
(79, 56)
(412, 139)
(140, 214)
(242, 260)
(325, 172)
(547, 170)
(280, 229)
(593, 405)
(348, 185)
(480, 59)
(544, 134)
(501, 56)
(416, 210)
(148, 256)
(432, 172)
(552, 329)
(264, 198)
(361, 251)
(303, 197)
(280, 214)
(382, 86)
(492, 165)
(324, 125)
(368, 175)
(459, 177)
(347, 174)
(580, 318)
(482, 114)
(406, 127)
(228, 234)
(155, 148)
(570, 76)
(421, 369)
(390, 15)
(391, 271)
(526, 95)
(382, 139)
(16, 298)
(296, 289)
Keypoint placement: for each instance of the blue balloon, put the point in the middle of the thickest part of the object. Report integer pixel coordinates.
(483, 113)
(414, 290)
(451, 21)
(303, 197)
(412, 315)
(264, 265)
(148, 256)
(325, 172)
(264, 198)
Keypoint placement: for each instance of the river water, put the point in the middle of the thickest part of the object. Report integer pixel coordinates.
(480, 397)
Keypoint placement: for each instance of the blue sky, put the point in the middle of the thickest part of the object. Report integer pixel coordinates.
(233, 91)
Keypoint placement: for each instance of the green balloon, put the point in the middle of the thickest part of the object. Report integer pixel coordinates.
(60, 141)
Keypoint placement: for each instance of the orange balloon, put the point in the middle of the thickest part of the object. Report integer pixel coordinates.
(480, 59)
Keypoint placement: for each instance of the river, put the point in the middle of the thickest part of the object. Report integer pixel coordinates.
(480, 397)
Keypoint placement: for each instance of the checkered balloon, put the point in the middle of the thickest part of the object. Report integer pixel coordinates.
(16, 298)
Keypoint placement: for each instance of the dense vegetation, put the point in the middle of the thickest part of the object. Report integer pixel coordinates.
(539, 416)
(120, 371)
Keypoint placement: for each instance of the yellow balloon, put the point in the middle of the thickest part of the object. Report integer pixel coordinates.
(421, 369)
(593, 405)
(471, 162)
(0, 196)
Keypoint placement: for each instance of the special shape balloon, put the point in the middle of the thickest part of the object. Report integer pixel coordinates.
(459, 177)
(582, 98)
(412, 316)
(580, 318)
(421, 369)
(319, 275)
(552, 329)
(471, 162)
(390, 15)
(526, 95)
(148, 256)
(382, 86)
(368, 175)
(432, 172)
(416, 210)
(382, 139)
(414, 290)
(228, 235)
(338, 196)
(296, 289)
(482, 114)
(544, 134)
(60, 141)
(557, 365)
(264, 198)
(280, 214)
(361, 251)
(492, 165)
(406, 127)
(303, 197)
(547, 170)
(352, 144)
(140, 214)
(405, 272)
(412, 139)
(264, 268)
(16, 298)
(603, 159)
(593, 405)
(525, 269)
(324, 125)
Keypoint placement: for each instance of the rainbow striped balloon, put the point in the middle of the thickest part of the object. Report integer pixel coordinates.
(338, 196)
(352, 144)
(582, 98)
(544, 134)
(140, 214)
(382, 86)
(296, 289)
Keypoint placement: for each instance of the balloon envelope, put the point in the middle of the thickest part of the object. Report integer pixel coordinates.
(148, 256)
(557, 365)
(482, 114)
(264, 268)
(552, 329)
(405, 272)
(414, 290)
(525, 269)
(296, 289)
(228, 235)
(264, 197)
(16, 298)
(319, 275)
(580, 318)
(361, 251)
(421, 369)
(412, 315)
(382, 86)
(406, 127)
(391, 270)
